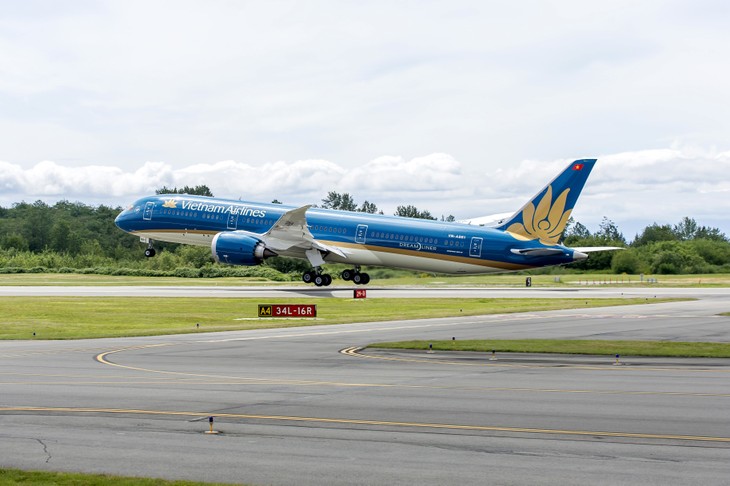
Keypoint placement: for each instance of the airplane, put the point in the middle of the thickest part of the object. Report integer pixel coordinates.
(247, 233)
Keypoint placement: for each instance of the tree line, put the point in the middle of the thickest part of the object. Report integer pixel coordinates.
(72, 236)
(683, 248)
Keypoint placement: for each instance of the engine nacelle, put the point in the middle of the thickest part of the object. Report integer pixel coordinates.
(236, 248)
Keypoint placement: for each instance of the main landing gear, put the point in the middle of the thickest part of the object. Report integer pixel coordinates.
(316, 277)
(355, 275)
(320, 279)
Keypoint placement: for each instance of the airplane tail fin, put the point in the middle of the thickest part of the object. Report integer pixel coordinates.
(545, 216)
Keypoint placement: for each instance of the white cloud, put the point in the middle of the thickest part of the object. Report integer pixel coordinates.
(434, 173)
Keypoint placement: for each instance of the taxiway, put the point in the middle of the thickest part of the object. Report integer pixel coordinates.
(309, 406)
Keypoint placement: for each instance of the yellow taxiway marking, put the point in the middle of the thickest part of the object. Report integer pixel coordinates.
(275, 382)
(382, 423)
(356, 351)
(382, 326)
(47, 352)
(189, 378)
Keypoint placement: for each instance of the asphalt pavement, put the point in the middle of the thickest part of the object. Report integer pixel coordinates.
(315, 405)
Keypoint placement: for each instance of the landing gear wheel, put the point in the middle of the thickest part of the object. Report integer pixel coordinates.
(327, 279)
(319, 280)
(150, 252)
(347, 275)
(361, 278)
(308, 277)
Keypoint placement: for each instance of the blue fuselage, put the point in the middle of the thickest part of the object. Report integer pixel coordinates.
(365, 239)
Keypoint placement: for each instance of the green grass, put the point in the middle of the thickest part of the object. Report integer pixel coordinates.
(424, 280)
(563, 346)
(13, 477)
(95, 317)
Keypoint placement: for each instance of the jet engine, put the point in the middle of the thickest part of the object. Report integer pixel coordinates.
(235, 248)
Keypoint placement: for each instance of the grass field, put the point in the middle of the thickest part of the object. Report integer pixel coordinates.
(95, 317)
(13, 477)
(563, 346)
(425, 280)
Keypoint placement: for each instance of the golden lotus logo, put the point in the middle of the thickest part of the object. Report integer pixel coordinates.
(170, 203)
(545, 223)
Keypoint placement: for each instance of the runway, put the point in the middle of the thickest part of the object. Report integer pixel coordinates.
(311, 406)
(346, 292)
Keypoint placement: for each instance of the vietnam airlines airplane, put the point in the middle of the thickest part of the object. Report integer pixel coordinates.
(243, 233)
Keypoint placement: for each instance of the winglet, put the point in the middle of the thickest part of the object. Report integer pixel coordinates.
(545, 216)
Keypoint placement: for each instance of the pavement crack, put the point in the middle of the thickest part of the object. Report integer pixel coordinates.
(45, 449)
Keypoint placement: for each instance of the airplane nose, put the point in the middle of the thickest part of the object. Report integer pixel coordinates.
(122, 220)
(577, 256)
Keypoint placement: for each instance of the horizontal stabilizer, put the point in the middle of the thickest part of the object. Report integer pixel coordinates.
(593, 249)
(538, 252)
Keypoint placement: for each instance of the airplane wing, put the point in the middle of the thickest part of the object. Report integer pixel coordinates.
(291, 231)
(488, 221)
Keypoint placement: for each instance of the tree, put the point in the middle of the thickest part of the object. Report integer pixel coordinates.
(201, 190)
(276, 201)
(655, 233)
(60, 236)
(577, 235)
(608, 231)
(674, 257)
(626, 261)
(411, 211)
(37, 227)
(343, 202)
(368, 207)
(575, 231)
(15, 241)
(706, 233)
(714, 252)
(449, 219)
(686, 229)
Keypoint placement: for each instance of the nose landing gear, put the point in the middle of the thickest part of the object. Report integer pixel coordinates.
(150, 251)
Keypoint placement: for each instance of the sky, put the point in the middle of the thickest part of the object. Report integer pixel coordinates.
(463, 108)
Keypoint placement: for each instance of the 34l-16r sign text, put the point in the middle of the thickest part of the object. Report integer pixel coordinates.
(287, 310)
